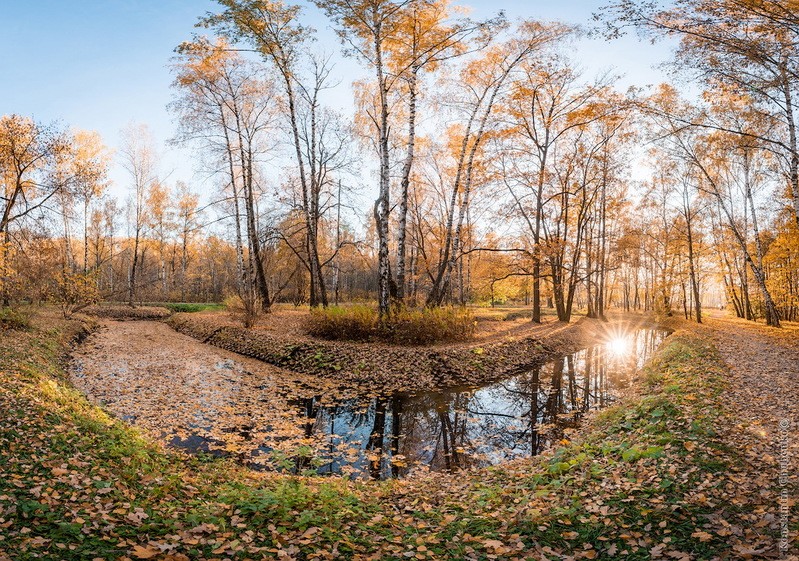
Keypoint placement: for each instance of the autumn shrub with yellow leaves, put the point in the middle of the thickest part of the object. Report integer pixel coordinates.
(76, 291)
(245, 310)
(14, 318)
(403, 327)
(6, 269)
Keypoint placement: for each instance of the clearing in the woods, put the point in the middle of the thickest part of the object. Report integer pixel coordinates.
(399, 279)
(687, 465)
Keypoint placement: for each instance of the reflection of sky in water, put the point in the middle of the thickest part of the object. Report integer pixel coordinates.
(517, 417)
(271, 419)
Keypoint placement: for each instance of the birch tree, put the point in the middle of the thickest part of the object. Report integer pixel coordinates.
(747, 47)
(138, 157)
(487, 78)
(272, 29)
(227, 105)
(721, 162)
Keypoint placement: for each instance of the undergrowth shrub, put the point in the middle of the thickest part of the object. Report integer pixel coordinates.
(14, 319)
(76, 291)
(404, 327)
(245, 310)
(353, 323)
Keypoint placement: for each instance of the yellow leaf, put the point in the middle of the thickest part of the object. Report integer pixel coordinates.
(703, 536)
(142, 552)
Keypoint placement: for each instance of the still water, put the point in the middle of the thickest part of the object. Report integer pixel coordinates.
(464, 427)
(388, 436)
(198, 398)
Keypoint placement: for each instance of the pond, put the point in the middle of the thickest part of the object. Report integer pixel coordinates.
(203, 399)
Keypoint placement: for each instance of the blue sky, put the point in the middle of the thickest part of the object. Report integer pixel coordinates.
(100, 64)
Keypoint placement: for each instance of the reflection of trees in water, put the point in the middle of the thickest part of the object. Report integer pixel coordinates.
(397, 411)
(374, 445)
(329, 433)
(520, 416)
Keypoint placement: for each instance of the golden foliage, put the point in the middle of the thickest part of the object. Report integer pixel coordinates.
(76, 291)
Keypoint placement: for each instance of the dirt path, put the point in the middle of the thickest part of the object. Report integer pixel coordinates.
(764, 403)
(764, 363)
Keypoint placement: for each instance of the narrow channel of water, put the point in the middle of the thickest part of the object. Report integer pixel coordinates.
(520, 416)
(464, 427)
(202, 399)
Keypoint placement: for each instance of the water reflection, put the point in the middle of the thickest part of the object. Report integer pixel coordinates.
(465, 427)
(224, 404)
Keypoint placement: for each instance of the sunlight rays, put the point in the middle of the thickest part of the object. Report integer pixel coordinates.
(619, 345)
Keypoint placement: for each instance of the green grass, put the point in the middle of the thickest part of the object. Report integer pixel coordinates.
(78, 484)
(189, 307)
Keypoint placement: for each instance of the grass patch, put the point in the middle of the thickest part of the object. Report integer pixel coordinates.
(14, 319)
(191, 307)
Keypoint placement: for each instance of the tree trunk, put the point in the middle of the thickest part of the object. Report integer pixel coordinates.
(691, 258)
(383, 201)
(243, 280)
(311, 194)
(603, 232)
(772, 316)
(85, 236)
(132, 280)
(794, 149)
(405, 185)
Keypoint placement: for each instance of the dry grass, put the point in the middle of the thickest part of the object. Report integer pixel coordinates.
(406, 327)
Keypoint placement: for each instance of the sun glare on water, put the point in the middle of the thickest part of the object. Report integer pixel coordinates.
(618, 345)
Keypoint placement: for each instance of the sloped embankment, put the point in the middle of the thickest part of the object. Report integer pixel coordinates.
(663, 475)
(122, 312)
(387, 368)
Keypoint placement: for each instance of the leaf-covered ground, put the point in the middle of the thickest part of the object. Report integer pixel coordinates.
(677, 472)
(202, 398)
(198, 396)
(125, 312)
(384, 368)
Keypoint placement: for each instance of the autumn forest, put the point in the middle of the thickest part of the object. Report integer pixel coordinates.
(424, 281)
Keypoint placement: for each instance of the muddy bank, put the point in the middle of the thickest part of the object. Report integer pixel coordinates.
(388, 369)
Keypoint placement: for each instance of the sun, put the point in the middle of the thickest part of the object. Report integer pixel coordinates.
(618, 345)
